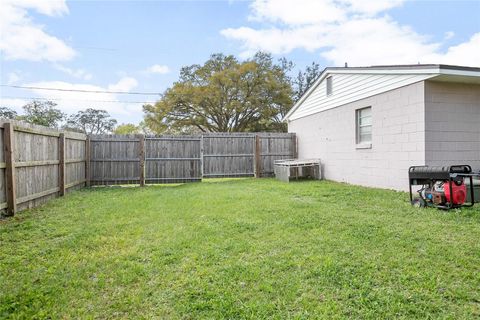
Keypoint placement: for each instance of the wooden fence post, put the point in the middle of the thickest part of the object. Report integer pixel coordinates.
(258, 156)
(61, 163)
(202, 160)
(10, 187)
(141, 156)
(87, 161)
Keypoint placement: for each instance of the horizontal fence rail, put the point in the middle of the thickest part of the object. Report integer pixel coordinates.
(117, 159)
(38, 163)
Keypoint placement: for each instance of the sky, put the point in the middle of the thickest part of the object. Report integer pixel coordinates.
(140, 46)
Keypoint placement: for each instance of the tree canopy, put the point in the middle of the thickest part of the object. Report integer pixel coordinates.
(7, 113)
(305, 80)
(224, 95)
(127, 128)
(42, 113)
(91, 121)
(221, 95)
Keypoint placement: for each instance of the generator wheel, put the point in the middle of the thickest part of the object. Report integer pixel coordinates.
(418, 203)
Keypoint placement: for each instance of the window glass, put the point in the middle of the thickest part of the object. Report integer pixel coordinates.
(364, 125)
(329, 86)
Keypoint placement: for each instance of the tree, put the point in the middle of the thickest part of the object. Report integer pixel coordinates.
(127, 128)
(142, 126)
(224, 95)
(304, 80)
(7, 113)
(91, 121)
(42, 113)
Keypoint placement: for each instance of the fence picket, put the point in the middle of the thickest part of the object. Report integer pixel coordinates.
(189, 158)
(11, 188)
(61, 163)
(39, 163)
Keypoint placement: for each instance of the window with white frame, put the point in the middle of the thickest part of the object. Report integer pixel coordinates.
(364, 125)
(329, 85)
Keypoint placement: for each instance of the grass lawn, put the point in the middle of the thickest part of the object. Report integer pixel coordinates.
(241, 248)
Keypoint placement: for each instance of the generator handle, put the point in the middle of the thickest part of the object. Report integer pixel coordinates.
(413, 167)
(464, 168)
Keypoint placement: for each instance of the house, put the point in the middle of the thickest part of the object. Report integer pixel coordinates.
(368, 125)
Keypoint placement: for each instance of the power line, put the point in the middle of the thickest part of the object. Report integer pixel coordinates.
(81, 90)
(59, 99)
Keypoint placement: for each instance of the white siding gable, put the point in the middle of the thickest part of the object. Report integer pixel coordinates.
(350, 87)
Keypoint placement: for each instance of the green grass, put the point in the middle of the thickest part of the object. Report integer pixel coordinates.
(241, 248)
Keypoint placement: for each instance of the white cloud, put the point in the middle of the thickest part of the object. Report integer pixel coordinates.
(371, 7)
(298, 12)
(449, 35)
(276, 40)
(125, 84)
(71, 102)
(355, 31)
(76, 73)
(22, 39)
(13, 103)
(12, 78)
(375, 41)
(157, 68)
(304, 12)
(467, 53)
(47, 7)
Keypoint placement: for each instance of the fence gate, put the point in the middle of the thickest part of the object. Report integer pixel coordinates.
(170, 159)
(115, 159)
(228, 155)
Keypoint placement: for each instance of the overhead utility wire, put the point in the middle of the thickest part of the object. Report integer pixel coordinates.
(82, 100)
(81, 90)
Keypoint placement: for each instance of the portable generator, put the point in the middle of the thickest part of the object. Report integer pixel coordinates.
(442, 187)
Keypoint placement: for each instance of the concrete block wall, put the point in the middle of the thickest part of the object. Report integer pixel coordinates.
(398, 139)
(452, 115)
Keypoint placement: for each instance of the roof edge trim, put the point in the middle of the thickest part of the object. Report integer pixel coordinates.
(433, 69)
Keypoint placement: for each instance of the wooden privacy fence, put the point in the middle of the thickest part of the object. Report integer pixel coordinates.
(41, 163)
(38, 164)
(138, 159)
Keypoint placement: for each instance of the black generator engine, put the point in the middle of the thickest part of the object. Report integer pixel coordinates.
(441, 187)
